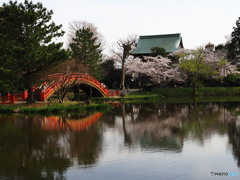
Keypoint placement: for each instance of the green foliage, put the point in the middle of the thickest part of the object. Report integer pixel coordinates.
(232, 80)
(87, 51)
(26, 44)
(6, 80)
(159, 51)
(195, 68)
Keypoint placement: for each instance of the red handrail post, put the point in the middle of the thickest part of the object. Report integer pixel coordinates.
(24, 95)
(8, 96)
(42, 96)
(117, 92)
(12, 98)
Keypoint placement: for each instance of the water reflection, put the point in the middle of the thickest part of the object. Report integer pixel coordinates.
(69, 122)
(165, 127)
(36, 147)
(234, 139)
(44, 147)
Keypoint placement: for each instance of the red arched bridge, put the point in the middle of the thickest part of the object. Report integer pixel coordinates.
(63, 83)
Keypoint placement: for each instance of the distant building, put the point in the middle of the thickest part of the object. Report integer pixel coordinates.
(170, 42)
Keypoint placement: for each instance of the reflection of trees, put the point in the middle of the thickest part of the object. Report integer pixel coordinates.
(86, 145)
(165, 126)
(234, 139)
(205, 119)
(156, 126)
(149, 124)
(27, 151)
(84, 139)
(127, 138)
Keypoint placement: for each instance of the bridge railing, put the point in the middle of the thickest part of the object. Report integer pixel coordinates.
(49, 88)
(113, 93)
(62, 79)
(11, 98)
(5, 99)
(66, 78)
(92, 80)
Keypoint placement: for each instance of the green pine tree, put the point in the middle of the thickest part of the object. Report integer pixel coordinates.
(87, 51)
(26, 45)
(234, 46)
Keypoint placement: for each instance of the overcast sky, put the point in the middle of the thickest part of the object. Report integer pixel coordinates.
(199, 21)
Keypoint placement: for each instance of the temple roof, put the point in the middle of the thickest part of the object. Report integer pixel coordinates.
(170, 42)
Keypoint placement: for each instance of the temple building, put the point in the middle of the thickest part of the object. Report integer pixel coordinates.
(170, 42)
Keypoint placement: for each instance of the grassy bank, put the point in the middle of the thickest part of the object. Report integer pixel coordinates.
(187, 92)
(53, 108)
(178, 95)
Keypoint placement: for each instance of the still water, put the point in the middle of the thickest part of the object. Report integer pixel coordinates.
(131, 141)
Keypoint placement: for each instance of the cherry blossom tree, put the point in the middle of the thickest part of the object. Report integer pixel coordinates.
(194, 66)
(158, 69)
(217, 60)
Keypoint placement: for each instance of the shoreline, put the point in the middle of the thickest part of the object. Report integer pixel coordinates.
(159, 95)
(53, 108)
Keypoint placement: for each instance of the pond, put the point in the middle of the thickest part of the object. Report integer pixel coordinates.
(131, 141)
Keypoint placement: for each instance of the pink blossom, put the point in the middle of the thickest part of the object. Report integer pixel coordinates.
(157, 69)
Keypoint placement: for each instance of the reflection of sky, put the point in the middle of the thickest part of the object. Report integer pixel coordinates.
(196, 161)
(213, 155)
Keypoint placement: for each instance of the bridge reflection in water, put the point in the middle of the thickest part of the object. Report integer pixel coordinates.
(61, 123)
(51, 123)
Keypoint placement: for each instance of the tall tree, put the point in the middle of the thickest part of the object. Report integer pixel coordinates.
(234, 46)
(76, 25)
(124, 47)
(87, 50)
(26, 34)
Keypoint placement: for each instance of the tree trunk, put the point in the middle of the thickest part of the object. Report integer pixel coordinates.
(123, 79)
(30, 99)
(60, 96)
(194, 89)
(122, 86)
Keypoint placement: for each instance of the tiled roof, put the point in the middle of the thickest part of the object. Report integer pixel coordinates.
(170, 42)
